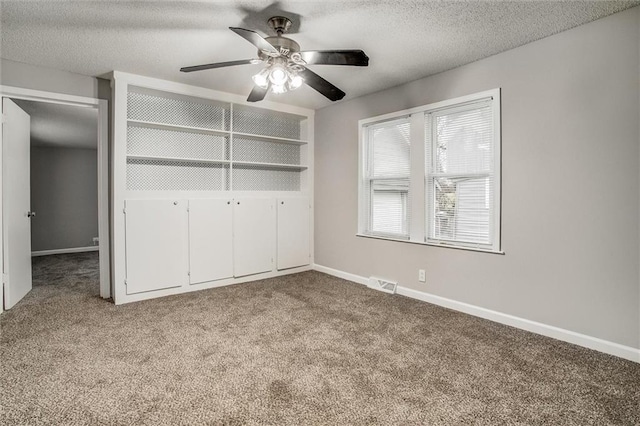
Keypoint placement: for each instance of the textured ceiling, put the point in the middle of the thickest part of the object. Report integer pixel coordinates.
(405, 40)
(61, 126)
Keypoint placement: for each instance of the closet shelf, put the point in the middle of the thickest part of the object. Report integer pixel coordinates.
(204, 160)
(269, 138)
(176, 159)
(176, 127)
(270, 165)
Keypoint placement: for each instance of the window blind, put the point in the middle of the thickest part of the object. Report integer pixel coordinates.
(386, 179)
(460, 174)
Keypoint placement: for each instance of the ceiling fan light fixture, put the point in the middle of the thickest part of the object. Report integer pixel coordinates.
(278, 75)
(262, 78)
(279, 88)
(295, 81)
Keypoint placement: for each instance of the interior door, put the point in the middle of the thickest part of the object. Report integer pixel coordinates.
(210, 240)
(293, 232)
(253, 236)
(16, 202)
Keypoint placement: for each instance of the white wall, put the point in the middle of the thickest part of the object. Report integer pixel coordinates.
(570, 185)
(64, 195)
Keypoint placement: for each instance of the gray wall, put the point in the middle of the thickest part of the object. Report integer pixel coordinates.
(64, 195)
(570, 185)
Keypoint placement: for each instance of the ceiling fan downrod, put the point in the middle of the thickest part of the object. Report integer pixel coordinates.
(279, 24)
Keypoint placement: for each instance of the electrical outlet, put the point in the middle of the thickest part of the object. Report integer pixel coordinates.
(422, 277)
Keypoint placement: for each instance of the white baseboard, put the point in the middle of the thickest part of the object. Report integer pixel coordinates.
(64, 251)
(583, 340)
(341, 274)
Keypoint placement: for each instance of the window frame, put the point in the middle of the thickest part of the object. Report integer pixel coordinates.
(419, 208)
(367, 182)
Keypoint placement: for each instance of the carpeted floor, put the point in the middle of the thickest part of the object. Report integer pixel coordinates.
(299, 350)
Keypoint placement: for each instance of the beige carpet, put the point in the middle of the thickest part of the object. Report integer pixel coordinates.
(300, 350)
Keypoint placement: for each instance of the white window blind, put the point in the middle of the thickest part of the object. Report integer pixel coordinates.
(386, 178)
(460, 177)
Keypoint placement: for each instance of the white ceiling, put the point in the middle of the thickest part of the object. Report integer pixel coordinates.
(405, 40)
(61, 126)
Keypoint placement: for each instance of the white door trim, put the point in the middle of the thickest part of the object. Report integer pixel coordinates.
(103, 169)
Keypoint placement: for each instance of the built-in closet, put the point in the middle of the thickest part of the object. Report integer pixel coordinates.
(208, 190)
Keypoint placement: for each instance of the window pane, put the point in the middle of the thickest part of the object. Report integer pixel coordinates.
(390, 149)
(462, 209)
(464, 141)
(387, 180)
(389, 211)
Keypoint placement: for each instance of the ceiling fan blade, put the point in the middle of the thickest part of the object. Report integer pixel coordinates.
(217, 65)
(321, 85)
(355, 58)
(258, 93)
(256, 39)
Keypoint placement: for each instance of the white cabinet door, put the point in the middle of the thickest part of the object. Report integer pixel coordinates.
(293, 232)
(156, 244)
(253, 236)
(210, 240)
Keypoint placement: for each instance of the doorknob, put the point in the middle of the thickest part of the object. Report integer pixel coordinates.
(31, 214)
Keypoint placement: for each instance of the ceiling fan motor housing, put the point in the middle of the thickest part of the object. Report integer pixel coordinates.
(284, 45)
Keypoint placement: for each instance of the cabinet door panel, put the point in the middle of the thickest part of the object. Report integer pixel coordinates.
(156, 244)
(293, 232)
(253, 236)
(210, 240)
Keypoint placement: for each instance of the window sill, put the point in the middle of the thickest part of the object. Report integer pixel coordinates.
(424, 243)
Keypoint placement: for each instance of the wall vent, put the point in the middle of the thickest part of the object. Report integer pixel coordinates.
(382, 285)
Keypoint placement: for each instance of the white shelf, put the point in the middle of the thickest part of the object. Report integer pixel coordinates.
(235, 163)
(176, 159)
(176, 127)
(270, 165)
(269, 138)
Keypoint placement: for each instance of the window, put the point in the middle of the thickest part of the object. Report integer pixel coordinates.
(459, 174)
(449, 184)
(386, 178)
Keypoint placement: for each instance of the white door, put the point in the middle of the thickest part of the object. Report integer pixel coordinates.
(253, 236)
(156, 244)
(16, 203)
(210, 240)
(293, 232)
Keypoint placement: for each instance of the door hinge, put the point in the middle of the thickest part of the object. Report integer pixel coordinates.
(5, 278)
(124, 211)
(4, 118)
(125, 282)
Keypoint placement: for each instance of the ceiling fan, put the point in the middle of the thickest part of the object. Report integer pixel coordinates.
(286, 65)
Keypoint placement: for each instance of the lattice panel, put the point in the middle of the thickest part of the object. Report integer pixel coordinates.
(255, 178)
(259, 122)
(167, 175)
(265, 152)
(176, 111)
(169, 143)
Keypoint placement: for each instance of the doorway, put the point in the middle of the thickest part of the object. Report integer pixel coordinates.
(67, 180)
